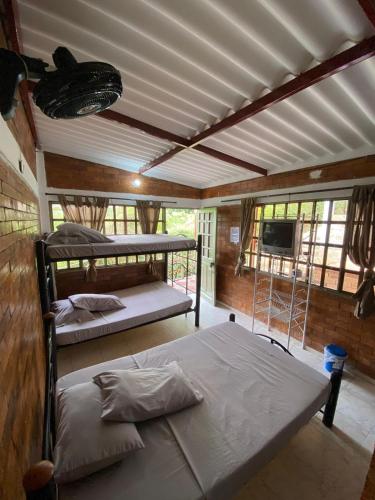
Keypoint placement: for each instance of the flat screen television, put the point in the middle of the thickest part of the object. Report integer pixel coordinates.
(279, 237)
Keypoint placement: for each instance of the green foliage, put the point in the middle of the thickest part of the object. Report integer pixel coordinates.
(181, 221)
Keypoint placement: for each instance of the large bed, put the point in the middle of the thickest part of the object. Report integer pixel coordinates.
(143, 304)
(122, 245)
(256, 397)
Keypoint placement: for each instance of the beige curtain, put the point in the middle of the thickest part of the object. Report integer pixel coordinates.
(89, 212)
(148, 215)
(360, 245)
(247, 226)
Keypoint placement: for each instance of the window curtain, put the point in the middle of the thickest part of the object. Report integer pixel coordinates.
(247, 226)
(360, 245)
(89, 212)
(148, 215)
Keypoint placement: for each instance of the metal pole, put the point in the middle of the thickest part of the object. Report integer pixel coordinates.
(292, 302)
(199, 275)
(311, 258)
(270, 295)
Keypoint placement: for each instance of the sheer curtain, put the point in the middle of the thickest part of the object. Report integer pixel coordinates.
(247, 226)
(360, 245)
(89, 212)
(148, 215)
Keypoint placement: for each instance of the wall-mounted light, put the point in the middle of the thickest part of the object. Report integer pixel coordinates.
(136, 183)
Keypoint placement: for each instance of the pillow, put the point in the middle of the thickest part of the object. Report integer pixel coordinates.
(72, 229)
(62, 239)
(141, 394)
(96, 302)
(65, 313)
(85, 442)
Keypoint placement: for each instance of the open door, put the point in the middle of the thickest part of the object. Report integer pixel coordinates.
(207, 228)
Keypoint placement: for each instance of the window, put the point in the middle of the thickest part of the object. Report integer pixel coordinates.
(120, 219)
(332, 268)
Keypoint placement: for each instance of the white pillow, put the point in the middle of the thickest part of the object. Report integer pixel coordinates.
(85, 442)
(65, 313)
(92, 235)
(96, 302)
(141, 394)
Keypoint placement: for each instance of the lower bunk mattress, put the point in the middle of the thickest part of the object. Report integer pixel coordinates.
(256, 398)
(144, 304)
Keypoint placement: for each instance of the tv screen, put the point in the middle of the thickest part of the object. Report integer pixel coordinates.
(278, 237)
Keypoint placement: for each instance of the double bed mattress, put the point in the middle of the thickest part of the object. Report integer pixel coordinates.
(256, 398)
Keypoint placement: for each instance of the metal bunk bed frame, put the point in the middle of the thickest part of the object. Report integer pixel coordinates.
(47, 282)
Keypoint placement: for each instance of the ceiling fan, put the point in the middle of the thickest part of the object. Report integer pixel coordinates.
(72, 90)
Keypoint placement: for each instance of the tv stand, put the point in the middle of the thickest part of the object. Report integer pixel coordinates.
(286, 298)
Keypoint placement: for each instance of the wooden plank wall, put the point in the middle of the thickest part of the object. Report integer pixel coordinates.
(331, 317)
(21, 335)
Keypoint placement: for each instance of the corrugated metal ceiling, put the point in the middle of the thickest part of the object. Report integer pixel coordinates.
(187, 65)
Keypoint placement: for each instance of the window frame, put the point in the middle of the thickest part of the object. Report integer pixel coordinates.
(341, 268)
(110, 261)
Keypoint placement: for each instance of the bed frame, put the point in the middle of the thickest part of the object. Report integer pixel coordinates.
(38, 481)
(47, 280)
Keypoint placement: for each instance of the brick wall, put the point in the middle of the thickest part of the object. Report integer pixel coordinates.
(355, 168)
(109, 279)
(19, 125)
(64, 172)
(21, 338)
(331, 314)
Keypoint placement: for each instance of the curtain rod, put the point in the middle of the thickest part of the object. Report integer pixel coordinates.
(110, 197)
(290, 194)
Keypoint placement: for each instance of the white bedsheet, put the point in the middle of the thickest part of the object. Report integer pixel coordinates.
(144, 303)
(122, 245)
(255, 399)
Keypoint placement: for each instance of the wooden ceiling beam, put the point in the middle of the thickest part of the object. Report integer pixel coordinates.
(369, 8)
(108, 114)
(161, 159)
(12, 26)
(181, 142)
(335, 64)
(230, 159)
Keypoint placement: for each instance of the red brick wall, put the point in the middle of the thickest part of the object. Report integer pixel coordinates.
(21, 335)
(331, 314)
(64, 173)
(109, 279)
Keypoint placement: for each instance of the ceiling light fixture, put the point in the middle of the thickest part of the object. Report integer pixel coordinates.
(136, 183)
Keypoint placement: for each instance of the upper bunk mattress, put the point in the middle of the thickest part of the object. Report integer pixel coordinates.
(144, 304)
(256, 398)
(122, 245)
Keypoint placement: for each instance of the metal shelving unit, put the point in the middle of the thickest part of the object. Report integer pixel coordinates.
(290, 308)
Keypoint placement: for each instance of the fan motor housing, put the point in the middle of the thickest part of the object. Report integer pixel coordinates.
(80, 90)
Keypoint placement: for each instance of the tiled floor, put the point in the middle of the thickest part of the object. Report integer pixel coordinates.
(318, 463)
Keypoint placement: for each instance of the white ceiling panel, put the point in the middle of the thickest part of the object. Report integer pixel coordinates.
(187, 64)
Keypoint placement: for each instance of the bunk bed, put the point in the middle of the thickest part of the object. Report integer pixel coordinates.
(255, 398)
(144, 303)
